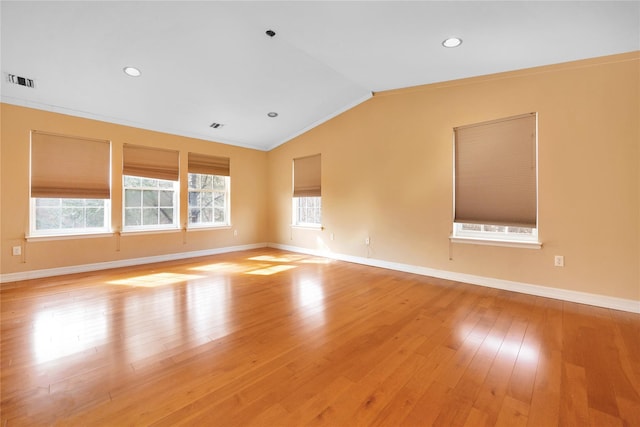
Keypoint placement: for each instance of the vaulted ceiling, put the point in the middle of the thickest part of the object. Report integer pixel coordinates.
(213, 62)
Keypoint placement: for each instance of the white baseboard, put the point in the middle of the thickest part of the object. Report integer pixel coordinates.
(59, 271)
(597, 300)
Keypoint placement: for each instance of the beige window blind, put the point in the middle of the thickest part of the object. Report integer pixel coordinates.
(69, 167)
(150, 162)
(210, 165)
(495, 172)
(306, 176)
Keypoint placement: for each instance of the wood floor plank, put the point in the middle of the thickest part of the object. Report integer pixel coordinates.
(271, 338)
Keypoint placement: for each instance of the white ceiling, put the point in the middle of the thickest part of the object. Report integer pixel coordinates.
(205, 62)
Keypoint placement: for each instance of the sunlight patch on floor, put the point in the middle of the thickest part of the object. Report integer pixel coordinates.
(281, 258)
(267, 271)
(157, 279)
(221, 266)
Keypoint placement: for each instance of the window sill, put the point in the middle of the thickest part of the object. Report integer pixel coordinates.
(46, 237)
(150, 231)
(493, 242)
(208, 227)
(308, 226)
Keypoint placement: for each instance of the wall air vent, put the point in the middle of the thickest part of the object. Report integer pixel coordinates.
(216, 125)
(21, 81)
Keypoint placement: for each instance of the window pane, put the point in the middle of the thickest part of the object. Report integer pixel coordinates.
(193, 199)
(208, 182)
(95, 217)
(166, 216)
(149, 183)
(72, 202)
(166, 198)
(206, 199)
(219, 200)
(72, 218)
(219, 182)
(194, 181)
(132, 181)
(472, 227)
(47, 218)
(520, 230)
(194, 215)
(133, 198)
(132, 216)
(150, 216)
(48, 202)
(219, 215)
(149, 198)
(207, 215)
(96, 203)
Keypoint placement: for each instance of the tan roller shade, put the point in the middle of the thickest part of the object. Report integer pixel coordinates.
(306, 176)
(69, 167)
(210, 165)
(495, 172)
(150, 162)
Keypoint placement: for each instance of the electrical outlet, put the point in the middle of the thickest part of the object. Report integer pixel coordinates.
(235, 232)
(16, 250)
(331, 236)
(558, 261)
(367, 241)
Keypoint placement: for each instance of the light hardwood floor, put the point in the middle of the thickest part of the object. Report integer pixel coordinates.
(271, 338)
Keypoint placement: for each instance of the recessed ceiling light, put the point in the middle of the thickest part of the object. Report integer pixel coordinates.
(452, 42)
(272, 114)
(132, 71)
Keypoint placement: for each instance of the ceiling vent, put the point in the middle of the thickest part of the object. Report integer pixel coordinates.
(21, 81)
(216, 125)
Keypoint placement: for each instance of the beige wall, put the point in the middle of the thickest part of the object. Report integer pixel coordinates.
(248, 198)
(387, 174)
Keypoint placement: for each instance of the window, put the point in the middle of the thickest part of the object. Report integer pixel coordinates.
(150, 203)
(209, 190)
(69, 216)
(150, 188)
(70, 185)
(496, 180)
(307, 191)
(208, 199)
(308, 211)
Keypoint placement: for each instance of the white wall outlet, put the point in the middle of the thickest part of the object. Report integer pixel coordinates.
(331, 236)
(367, 241)
(16, 250)
(558, 261)
(235, 232)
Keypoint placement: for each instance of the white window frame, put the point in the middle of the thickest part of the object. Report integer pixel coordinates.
(176, 207)
(495, 238)
(227, 203)
(34, 232)
(295, 210)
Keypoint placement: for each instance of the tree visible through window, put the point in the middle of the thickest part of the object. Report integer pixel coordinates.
(149, 202)
(208, 199)
(308, 210)
(62, 216)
